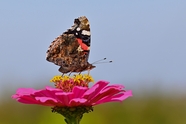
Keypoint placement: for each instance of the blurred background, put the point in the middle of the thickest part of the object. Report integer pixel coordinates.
(146, 40)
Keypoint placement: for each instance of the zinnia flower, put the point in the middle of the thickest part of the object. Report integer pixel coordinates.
(72, 97)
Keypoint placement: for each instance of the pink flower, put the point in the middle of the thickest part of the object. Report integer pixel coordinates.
(99, 93)
(72, 97)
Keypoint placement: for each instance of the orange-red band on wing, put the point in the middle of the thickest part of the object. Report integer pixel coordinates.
(83, 46)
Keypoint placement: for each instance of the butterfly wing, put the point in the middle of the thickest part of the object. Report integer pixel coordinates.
(71, 50)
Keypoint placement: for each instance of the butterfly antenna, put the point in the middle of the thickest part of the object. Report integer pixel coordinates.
(101, 61)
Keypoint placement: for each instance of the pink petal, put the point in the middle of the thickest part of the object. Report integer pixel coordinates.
(95, 89)
(78, 102)
(79, 91)
(67, 98)
(46, 101)
(107, 91)
(64, 98)
(119, 97)
(22, 91)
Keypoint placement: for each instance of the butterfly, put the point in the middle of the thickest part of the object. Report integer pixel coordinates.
(71, 49)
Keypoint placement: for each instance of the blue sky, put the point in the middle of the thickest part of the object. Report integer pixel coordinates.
(145, 39)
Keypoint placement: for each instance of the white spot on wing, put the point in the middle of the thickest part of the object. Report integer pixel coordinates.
(78, 29)
(85, 32)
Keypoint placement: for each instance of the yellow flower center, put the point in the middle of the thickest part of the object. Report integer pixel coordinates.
(66, 83)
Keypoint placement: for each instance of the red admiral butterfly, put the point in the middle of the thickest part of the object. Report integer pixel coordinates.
(71, 50)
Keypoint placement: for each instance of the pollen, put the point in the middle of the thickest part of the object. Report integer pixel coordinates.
(56, 78)
(88, 78)
(66, 83)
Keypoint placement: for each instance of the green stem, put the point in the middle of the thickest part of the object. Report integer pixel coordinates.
(72, 120)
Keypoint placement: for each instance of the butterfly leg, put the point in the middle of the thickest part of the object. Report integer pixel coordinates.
(88, 71)
(69, 73)
(62, 74)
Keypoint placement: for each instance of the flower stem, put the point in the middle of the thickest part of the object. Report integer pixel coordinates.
(72, 120)
(73, 115)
